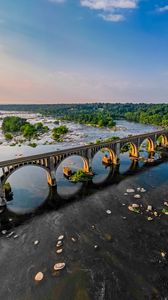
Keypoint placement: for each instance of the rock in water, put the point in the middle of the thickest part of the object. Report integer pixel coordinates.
(130, 191)
(108, 211)
(36, 242)
(61, 237)
(134, 205)
(137, 196)
(4, 231)
(149, 208)
(59, 251)
(39, 276)
(163, 254)
(130, 208)
(59, 266)
(59, 244)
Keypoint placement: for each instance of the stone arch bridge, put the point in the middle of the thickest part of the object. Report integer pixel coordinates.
(50, 161)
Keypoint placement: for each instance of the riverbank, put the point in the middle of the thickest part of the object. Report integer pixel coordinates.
(125, 264)
(77, 135)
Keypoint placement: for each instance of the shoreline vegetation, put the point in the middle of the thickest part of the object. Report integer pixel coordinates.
(17, 130)
(99, 114)
(14, 127)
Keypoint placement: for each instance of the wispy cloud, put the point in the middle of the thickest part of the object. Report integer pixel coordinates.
(112, 17)
(162, 9)
(112, 10)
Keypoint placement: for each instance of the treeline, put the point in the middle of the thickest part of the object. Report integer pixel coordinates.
(100, 114)
(155, 114)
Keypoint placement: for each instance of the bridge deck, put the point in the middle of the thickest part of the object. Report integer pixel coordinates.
(25, 159)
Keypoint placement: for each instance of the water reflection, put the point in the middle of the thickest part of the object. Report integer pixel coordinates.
(100, 170)
(66, 188)
(125, 162)
(30, 189)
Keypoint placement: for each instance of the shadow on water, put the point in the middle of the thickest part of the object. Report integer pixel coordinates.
(33, 196)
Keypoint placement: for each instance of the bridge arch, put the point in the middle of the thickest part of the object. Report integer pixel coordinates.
(131, 148)
(162, 139)
(84, 160)
(112, 155)
(150, 145)
(12, 170)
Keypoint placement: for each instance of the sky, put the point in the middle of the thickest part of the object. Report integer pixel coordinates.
(63, 51)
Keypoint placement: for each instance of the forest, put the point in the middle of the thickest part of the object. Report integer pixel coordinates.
(100, 114)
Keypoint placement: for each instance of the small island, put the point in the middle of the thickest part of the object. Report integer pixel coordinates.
(19, 130)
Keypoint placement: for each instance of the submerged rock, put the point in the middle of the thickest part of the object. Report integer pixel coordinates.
(149, 218)
(137, 196)
(15, 236)
(73, 239)
(10, 234)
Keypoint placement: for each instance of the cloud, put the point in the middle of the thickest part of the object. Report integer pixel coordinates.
(108, 5)
(162, 9)
(112, 10)
(112, 17)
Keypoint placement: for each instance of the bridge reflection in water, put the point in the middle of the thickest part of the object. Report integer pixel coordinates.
(56, 200)
(51, 162)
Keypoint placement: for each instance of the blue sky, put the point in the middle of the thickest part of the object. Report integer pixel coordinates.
(55, 51)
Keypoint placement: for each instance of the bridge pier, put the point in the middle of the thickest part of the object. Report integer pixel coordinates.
(51, 176)
(2, 197)
(51, 179)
